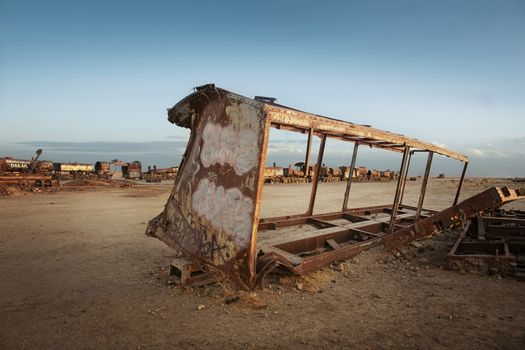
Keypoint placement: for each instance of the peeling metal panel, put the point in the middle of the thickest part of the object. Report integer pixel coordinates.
(211, 214)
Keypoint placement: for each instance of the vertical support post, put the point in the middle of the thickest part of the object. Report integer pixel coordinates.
(402, 177)
(405, 182)
(424, 185)
(308, 151)
(460, 183)
(350, 177)
(316, 177)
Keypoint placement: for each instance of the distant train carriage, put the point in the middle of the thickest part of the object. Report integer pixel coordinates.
(291, 175)
(73, 168)
(158, 174)
(387, 175)
(132, 170)
(345, 173)
(68, 171)
(102, 170)
(273, 174)
(362, 173)
(166, 173)
(11, 165)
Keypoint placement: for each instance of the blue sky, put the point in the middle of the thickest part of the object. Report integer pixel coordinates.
(90, 80)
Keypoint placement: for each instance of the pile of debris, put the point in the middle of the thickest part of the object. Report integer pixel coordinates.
(493, 243)
(15, 191)
(11, 191)
(98, 183)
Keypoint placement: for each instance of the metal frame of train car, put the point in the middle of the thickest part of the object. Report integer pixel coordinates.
(212, 214)
(494, 243)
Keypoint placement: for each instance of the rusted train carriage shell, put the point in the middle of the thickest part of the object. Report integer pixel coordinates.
(212, 214)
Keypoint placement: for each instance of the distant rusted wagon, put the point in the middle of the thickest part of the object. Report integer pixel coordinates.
(132, 170)
(27, 174)
(103, 169)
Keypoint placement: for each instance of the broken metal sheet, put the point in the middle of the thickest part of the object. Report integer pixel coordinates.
(212, 212)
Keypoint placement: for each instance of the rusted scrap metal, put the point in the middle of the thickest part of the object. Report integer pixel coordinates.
(358, 229)
(186, 272)
(26, 174)
(132, 170)
(212, 214)
(490, 199)
(493, 244)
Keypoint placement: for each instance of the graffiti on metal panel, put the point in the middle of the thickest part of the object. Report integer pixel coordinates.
(225, 145)
(228, 210)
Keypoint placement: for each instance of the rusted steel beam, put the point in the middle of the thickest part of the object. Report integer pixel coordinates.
(505, 231)
(389, 147)
(460, 183)
(350, 177)
(353, 215)
(400, 181)
(326, 259)
(284, 115)
(250, 269)
(405, 181)
(503, 220)
(288, 128)
(315, 183)
(489, 199)
(424, 185)
(308, 151)
(320, 223)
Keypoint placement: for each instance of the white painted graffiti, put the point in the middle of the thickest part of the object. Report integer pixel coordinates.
(227, 210)
(225, 145)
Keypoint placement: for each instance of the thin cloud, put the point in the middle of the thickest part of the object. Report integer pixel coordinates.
(106, 147)
(476, 152)
(442, 145)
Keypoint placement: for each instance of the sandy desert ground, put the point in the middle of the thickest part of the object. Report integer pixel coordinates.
(77, 272)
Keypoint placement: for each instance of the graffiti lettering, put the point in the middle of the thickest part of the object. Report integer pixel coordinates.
(225, 145)
(226, 210)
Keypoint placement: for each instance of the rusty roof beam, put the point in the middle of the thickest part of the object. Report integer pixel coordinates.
(284, 115)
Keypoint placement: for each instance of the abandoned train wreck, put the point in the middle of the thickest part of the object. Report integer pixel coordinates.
(212, 215)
